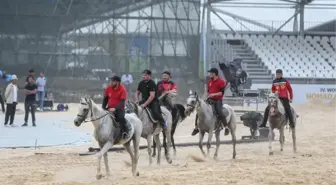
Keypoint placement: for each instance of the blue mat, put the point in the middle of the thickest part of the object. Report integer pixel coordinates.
(50, 131)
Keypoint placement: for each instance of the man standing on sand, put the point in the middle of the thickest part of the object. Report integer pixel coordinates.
(30, 100)
(11, 97)
(41, 82)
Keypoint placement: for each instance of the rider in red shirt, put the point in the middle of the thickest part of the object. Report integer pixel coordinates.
(114, 101)
(164, 86)
(216, 88)
(285, 92)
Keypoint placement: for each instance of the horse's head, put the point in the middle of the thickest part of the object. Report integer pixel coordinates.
(84, 111)
(132, 107)
(192, 101)
(273, 102)
(168, 97)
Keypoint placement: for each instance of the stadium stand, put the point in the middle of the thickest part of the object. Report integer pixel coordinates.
(299, 57)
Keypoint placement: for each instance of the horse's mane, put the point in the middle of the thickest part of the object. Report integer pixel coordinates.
(181, 110)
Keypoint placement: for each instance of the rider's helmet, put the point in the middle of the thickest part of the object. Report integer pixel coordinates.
(115, 78)
(214, 70)
(278, 71)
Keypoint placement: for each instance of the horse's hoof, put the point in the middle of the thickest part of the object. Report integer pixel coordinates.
(281, 150)
(137, 174)
(270, 153)
(215, 157)
(98, 177)
(169, 161)
(153, 155)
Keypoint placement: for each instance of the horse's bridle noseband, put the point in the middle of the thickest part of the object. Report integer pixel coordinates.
(86, 112)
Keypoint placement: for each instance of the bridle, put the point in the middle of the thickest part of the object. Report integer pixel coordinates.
(86, 112)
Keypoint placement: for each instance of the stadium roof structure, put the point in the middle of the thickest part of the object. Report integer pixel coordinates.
(284, 16)
(52, 17)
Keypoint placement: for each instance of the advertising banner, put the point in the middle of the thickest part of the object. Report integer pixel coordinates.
(304, 93)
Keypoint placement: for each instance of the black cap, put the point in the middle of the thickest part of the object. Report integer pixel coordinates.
(278, 71)
(148, 72)
(115, 78)
(213, 70)
(167, 73)
(31, 71)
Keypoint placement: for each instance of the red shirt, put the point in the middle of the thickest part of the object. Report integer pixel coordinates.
(115, 95)
(215, 86)
(283, 87)
(164, 86)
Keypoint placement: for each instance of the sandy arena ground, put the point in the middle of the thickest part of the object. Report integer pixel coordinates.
(314, 163)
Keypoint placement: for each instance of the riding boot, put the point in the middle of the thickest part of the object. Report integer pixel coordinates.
(263, 124)
(195, 131)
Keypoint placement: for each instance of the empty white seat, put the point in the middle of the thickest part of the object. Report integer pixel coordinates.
(299, 57)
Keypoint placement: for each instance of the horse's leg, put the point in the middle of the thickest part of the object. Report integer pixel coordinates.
(210, 134)
(282, 137)
(167, 145)
(149, 148)
(217, 135)
(294, 139)
(200, 143)
(127, 147)
(165, 142)
(232, 127)
(107, 168)
(270, 139)
(154, 147)
(158, 147)
(172, 138)
(136, 143)
(100, 154)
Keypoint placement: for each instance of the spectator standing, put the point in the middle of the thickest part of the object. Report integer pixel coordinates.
(31, 73)
(11, 97)
(41, 83)
(30, 100)
(2, 103)
(127, 80)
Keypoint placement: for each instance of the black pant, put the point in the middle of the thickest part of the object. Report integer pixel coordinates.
(29, 106)
(10, 112)
(154, 106)
(285, 102)
(120, 117)
(218, 106)
(2, 104)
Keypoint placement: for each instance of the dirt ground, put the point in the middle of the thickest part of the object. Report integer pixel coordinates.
(314, 163)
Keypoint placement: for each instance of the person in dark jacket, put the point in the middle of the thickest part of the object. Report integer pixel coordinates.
(148, 90)
(285, 92)
(114, 101)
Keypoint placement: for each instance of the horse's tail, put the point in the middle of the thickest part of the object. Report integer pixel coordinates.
(181, 109)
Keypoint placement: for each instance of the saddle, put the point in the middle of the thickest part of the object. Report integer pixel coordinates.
(150, 115)
(218, 125)
(130, 130)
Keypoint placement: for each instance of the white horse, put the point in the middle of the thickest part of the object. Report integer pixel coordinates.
(277, 120)
(149, 129)
(207, 122)
(107, 133)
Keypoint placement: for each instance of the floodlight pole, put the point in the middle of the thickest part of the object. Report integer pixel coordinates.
(301, 9)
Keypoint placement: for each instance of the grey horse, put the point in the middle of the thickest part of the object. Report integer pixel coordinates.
(107, 132)
(208, 121)
(149, 129)
(252, 120)
(277, 120)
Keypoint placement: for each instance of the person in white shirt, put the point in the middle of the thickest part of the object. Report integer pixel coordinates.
(11, 97)
(41, 83)
(127, 80)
